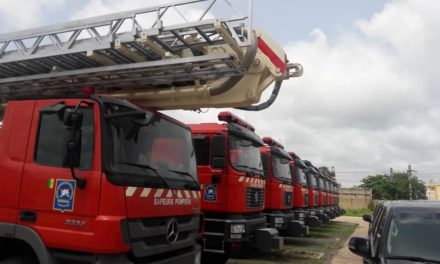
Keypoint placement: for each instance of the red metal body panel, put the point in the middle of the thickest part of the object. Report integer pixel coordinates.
(14, 135)
(231, 189)
(313, 194)
(321, 196)
(298, 198)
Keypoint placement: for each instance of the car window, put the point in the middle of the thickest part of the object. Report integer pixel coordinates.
(414, 232)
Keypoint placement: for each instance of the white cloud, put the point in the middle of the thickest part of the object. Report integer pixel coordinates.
(22, 14)
(368, 99)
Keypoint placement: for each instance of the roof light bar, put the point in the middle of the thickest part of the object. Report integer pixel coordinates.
(272, 142)
(229, 117)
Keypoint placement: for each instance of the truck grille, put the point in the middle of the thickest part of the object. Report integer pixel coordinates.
(148, 236)
(287, 198)
(254, 198)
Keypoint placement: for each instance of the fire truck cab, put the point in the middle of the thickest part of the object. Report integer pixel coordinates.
(233, 188)
(301, 192)
(326, 202)
(96, 179)
(338, 209)
(279, 190)
(320, 194)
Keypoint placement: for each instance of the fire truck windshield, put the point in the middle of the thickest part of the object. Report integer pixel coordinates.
(301, 176)
(321, 183)
(311, 179)
(281, 169)
(244, 155)
(152, 151)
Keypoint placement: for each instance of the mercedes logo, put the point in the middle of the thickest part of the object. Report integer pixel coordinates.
(172, 232)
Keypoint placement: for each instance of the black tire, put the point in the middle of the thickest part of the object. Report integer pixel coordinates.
(213, 258)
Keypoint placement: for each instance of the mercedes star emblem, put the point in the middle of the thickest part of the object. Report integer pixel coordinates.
(172, 232)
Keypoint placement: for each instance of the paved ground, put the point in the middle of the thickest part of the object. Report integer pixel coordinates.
(344, 256)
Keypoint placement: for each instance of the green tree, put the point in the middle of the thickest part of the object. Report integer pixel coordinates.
(326, 171)
(395, 187)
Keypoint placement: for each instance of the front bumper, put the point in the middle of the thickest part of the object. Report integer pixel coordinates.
(312, 220)
(218, 238)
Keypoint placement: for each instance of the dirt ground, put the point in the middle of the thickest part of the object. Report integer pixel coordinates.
(319, 247)
(344, 256)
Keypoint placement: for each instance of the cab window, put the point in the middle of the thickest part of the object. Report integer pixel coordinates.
(51, 144)
(202, 149)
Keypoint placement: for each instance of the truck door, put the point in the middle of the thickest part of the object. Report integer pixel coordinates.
(51, 202)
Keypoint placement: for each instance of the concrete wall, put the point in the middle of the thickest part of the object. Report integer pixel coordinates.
(355, 198)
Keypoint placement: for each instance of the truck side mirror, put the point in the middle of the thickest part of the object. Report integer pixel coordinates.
(72, 147)
(73, 120)
(367, 218)
(72, 138)
(359, 246)
(218, 148)
(265, 164)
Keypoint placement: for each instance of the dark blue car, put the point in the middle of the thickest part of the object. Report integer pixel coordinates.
(401, 232)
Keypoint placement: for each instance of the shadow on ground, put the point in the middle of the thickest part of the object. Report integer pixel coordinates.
(321, 244)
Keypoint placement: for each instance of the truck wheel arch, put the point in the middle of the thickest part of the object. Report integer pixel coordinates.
(30, 237)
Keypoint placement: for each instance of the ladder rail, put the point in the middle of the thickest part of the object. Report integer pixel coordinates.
(50, 35)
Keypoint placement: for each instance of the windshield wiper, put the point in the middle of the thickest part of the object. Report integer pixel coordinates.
(250, 168)
(419, 259)
(185, 173)
(148, 167)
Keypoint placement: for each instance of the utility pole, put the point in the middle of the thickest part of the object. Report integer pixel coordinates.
(410, 181)
(391, 172)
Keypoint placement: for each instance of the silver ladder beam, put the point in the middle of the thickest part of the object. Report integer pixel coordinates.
(127, 49)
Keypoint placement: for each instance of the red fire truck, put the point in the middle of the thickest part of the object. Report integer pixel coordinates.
(233, 184)
(87, 176)
(279, 190)
(335, 198)
(325, 193)
(301, 193)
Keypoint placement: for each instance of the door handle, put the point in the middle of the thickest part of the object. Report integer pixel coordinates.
(28, 216)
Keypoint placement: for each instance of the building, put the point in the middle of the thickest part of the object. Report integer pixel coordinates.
(433, 191)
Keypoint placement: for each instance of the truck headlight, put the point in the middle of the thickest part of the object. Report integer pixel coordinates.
(279, 220)
(238, 229)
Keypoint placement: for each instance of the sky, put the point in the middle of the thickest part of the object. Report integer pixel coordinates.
(368, 99)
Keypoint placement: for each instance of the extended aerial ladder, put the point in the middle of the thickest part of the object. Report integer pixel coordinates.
(164, 57)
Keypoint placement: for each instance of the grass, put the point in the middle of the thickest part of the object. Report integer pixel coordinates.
(358, 212)
(316, 248)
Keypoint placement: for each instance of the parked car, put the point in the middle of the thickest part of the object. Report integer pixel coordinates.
(401, 232)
